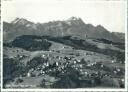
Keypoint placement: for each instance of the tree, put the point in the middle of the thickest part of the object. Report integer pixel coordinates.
(42, 84)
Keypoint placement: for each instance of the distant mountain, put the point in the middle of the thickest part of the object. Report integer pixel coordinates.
(70, 27)
(120, 35)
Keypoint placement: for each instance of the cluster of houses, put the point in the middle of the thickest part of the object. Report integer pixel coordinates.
(60, 66)
(60, 63)
(19, 57)
(57, 63)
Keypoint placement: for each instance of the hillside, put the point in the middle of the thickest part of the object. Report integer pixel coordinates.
(63, 58)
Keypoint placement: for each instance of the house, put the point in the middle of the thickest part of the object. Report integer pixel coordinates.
(122, 80)
(47, 64)
(43, 55)
(102, 66)
(80, 65)
(115, 72)
(28, 74)
(74, 62)
(79, 61)
(113, 61)
(118, 70)
(11, 57)
(57, 64)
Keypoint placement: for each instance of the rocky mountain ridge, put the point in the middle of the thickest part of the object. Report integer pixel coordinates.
(71, 27)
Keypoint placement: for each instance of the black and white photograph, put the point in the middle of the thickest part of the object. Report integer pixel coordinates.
(64, 44)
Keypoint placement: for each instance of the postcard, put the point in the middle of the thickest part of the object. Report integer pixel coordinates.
(64, 45)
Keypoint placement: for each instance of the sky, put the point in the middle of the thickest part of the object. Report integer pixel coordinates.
(110, 14)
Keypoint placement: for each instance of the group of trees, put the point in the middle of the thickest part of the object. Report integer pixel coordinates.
(31, 43)
(35, 62)
(12, 69)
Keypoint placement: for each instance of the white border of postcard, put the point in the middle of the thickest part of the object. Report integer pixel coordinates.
(80, 89)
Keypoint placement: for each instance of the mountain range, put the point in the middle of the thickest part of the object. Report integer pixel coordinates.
(70, 27)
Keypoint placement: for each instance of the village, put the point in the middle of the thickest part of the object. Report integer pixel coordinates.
(55, 64)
